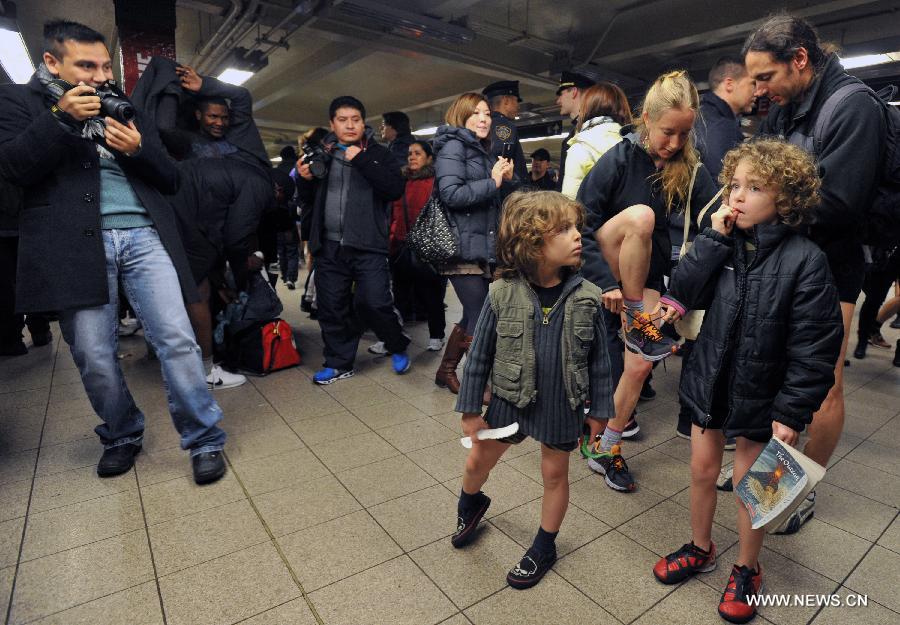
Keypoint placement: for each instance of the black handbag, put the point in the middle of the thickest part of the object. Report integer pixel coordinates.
(406, 262)
(432, 237)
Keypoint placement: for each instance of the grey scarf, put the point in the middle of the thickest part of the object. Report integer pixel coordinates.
(93, 129)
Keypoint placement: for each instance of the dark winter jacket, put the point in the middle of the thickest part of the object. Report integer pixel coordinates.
(850, 156)
(62, 260)
(375, 181)
(625, 176)
(777, 321)
(463, 172)
(399, 147)
(717, 130)
(10, 207)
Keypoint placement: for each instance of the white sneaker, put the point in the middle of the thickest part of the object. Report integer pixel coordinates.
(218, 378)
(377, 349)
(128, 326)
(435, 345)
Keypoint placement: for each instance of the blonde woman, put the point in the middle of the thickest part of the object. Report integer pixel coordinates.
(629, 195)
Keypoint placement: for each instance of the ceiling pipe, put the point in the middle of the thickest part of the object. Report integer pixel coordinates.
(232, 14)
(304, 8)
(248, 13)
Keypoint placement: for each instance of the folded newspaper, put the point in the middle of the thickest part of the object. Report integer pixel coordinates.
(778, 481)
(491, 433)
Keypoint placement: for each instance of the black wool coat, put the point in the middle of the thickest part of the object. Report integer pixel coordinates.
(62, 261)
(778, 318)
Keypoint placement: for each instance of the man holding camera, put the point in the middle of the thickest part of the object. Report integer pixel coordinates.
(350, 184)
(94, 214)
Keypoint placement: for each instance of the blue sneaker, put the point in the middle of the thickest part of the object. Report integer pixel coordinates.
(329, 375)
(400, 362)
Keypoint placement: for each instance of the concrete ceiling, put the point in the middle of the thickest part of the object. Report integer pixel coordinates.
(331, 50)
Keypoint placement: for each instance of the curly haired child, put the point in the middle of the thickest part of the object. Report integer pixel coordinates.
(540, 342)
(765, 356)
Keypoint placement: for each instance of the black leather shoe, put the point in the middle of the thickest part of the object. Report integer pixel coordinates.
(208, 466)
(42, 338)
(117, 460)
(860, 352)
(13, 349)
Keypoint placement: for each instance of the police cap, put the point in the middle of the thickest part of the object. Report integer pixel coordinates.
(502, 87)
(572, 79)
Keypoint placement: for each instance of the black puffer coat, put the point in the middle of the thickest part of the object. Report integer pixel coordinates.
(778, 319)
(463, 176)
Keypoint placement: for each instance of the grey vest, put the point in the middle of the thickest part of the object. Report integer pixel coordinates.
(515, 305)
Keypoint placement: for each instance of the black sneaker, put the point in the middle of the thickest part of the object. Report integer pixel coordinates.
(643, 337)
(467, 522)
(530, 569)
(647, 392)
(209, 466)
(117, 460)
(632, 428)
(612, 466)
(42, 338)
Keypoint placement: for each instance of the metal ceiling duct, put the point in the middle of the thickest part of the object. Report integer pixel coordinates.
(404, 23)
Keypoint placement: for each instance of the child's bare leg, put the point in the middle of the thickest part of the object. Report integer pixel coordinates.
(889, 309)
(750, 540)
(706, 460)
(555, 473)
(481, 459)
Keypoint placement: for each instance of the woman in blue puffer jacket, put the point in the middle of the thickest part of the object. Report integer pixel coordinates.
(469, 185)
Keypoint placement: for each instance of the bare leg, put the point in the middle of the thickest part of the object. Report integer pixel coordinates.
(890, 308)
(706, 460)
(626, 241)
(828, 423)
(555, 473)
(481, 459)
(750, 540)
(201, 320)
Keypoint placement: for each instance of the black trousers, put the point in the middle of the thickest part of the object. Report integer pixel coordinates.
(346, 276)
(11, 324)
(413, 293)
(876, 285)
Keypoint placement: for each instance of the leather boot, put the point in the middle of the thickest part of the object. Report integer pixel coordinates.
(860, 352)
(457, 345)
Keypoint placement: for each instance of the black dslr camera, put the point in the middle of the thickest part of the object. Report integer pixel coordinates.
(112, 103)
(317, 158)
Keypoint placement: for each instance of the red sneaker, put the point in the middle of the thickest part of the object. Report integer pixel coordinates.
(743, 583)
(684, 563)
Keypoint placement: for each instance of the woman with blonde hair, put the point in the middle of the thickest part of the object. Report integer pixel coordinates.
(468, 182)
(629, 195)
(604, 111)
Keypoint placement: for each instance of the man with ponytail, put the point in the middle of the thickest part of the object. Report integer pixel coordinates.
(801, 76)
(629, 194)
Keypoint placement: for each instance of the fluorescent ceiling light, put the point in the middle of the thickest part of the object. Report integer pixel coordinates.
(561, 135)
(14, 56)
(428, 130)
(235, 76)
(866, 60)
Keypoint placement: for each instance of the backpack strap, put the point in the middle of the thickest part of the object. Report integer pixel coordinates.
(831, 104)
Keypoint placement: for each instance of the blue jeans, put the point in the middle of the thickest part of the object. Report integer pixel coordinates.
(138, 257)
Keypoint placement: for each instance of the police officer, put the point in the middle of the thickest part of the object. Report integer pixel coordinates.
(503, 98)
(568, 97)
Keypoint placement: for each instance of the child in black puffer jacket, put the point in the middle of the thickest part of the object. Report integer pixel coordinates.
(765, 356)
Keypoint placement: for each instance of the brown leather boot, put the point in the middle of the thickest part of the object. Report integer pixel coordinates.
(457, 345)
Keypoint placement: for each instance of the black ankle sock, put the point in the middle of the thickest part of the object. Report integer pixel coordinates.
(545, 541)
(468, 502)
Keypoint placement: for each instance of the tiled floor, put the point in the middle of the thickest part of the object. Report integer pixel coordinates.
(339, 501)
